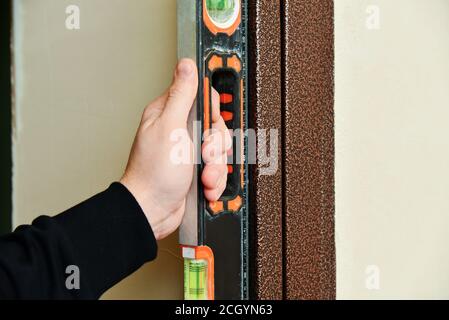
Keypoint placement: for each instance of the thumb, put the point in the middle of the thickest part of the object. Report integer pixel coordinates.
(182, 93)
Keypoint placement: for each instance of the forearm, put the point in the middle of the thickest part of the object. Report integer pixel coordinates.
(106, 237)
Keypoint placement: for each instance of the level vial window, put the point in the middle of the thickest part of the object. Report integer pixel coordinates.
(223, 12)
(226, 82)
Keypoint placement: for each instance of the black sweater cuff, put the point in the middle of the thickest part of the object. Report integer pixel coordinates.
(110, 236)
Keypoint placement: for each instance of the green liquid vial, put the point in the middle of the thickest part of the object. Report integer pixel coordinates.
(221, 11)
(195, 279)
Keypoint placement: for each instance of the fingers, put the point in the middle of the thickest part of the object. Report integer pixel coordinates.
(214, 179)
(215, 149)
(215, 194)
(217, 140)
(215, 172)
(215, 106)
(181, 93)
(212, 175)
(217, 120)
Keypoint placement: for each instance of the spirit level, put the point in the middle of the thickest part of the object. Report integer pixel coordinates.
(214, 235)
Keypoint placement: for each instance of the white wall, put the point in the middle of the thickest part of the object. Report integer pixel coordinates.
(78, 99)
(392, 148)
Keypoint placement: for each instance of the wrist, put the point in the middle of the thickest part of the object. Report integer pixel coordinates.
(161, 212)
(141, 198)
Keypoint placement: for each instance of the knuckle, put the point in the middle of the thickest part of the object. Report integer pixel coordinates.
(174, 91)
(147, 111)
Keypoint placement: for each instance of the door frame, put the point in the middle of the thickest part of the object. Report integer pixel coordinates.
(291, 84)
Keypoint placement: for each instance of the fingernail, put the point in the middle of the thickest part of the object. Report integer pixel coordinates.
(184, 69)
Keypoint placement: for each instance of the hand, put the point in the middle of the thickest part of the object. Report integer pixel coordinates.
(158, 183)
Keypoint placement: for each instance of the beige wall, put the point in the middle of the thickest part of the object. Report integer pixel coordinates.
(78, 99)
(392, 148)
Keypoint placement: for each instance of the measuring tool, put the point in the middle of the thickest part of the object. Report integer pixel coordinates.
(214, 235)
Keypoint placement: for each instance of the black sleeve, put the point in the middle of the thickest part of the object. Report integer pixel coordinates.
(105, 238)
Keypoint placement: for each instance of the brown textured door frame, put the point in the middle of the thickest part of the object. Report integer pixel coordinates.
(264, 75)
(291, 59)
(308, 100)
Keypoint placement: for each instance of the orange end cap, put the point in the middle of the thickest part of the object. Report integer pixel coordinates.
(204, 252)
